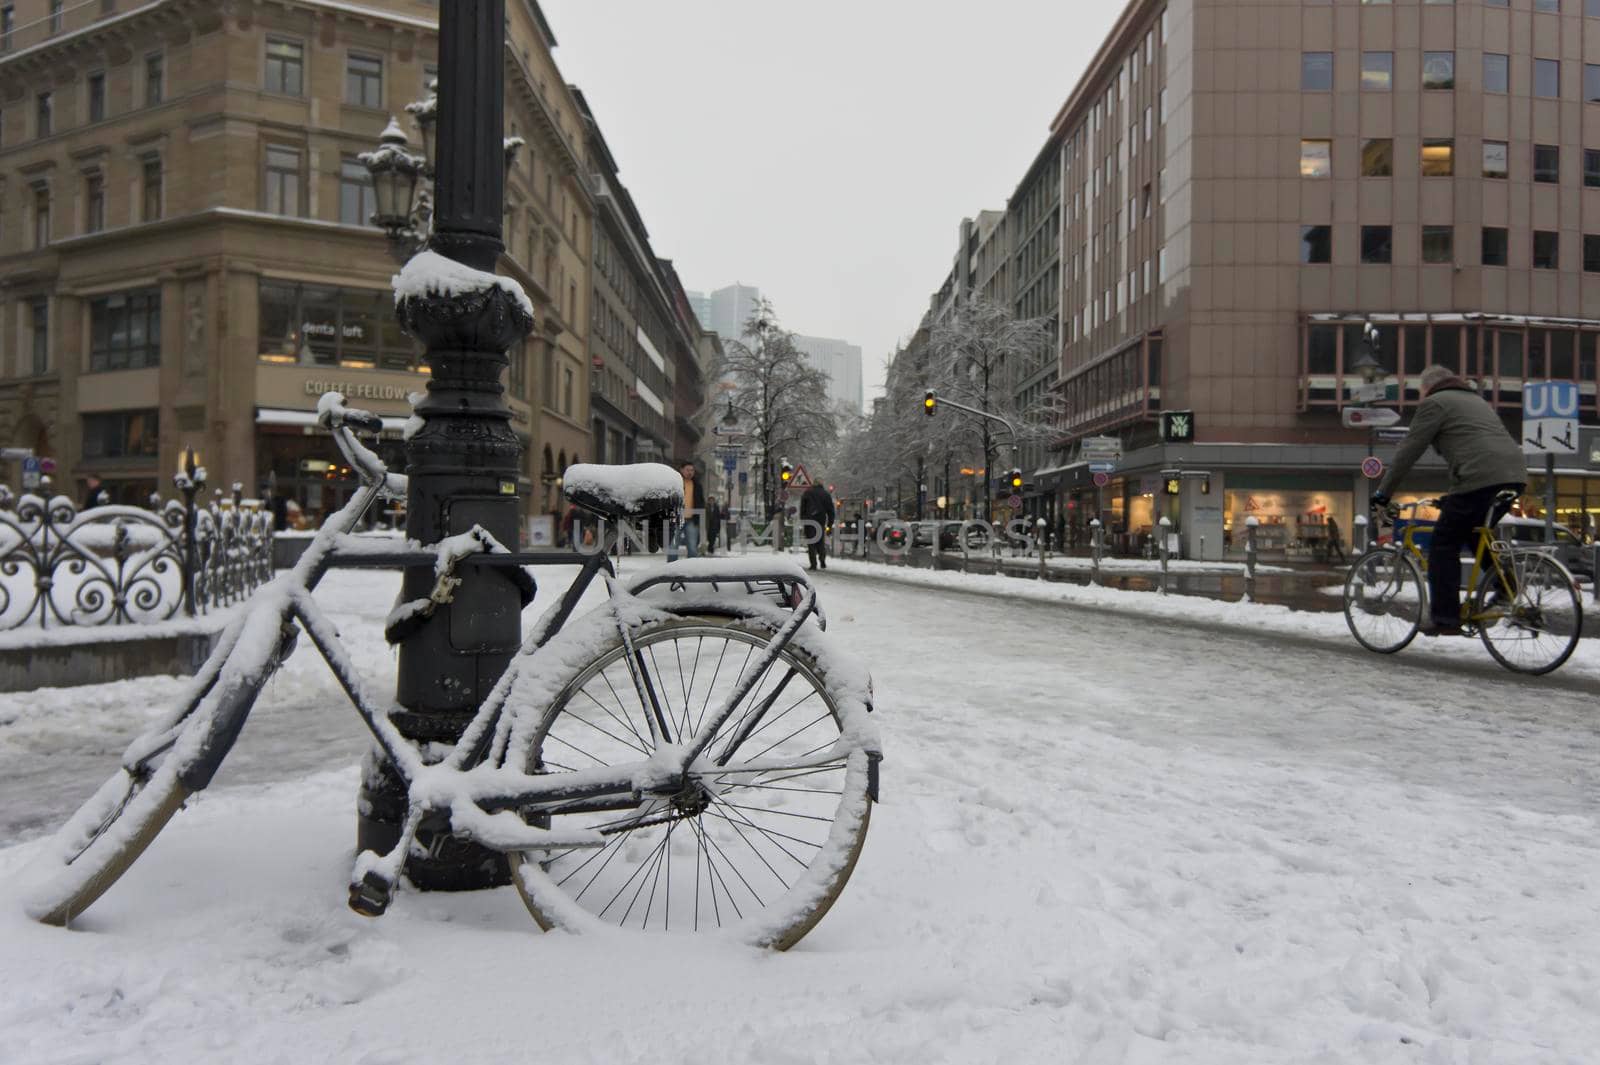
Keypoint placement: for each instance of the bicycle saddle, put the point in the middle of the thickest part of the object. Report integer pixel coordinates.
(635, 492)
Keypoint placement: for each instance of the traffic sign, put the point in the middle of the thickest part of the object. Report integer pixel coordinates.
(1369, 417)
(1014, 502)
(1100, 449)
(801, 478)
(1102, 467)
(30, 473)
(1369, 393)
(723, 430)
(1372, 467)
(1550, 418)
(1392, 435)
(1101, 480)
(729, 464)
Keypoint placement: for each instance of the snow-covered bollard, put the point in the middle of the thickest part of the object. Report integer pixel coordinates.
(1038, 543)
(1361, 533)
(1096, 546)
(1250, 525)
(1166, 528)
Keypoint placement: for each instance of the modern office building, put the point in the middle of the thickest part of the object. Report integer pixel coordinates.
(841, 361)
(730, 308)
(186, 259)
(1245, 184)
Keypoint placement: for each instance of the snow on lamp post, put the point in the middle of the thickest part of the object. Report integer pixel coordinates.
(464, 463)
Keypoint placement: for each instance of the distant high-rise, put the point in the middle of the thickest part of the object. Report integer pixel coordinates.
(730, 309)
(700, 303)
(841, 361)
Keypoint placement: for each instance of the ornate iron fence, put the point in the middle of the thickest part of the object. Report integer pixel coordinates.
(117, 565)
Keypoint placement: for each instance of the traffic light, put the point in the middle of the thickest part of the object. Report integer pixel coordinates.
(930, 402)
(1016, 480)
(787, 472)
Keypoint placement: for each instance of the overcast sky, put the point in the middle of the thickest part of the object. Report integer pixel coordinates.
(824, 150)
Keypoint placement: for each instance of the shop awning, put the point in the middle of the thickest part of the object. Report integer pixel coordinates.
(308, 419)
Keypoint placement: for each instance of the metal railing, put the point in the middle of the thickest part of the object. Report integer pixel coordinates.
(120, 565)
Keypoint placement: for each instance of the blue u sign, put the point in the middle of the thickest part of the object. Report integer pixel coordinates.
(1550, 399)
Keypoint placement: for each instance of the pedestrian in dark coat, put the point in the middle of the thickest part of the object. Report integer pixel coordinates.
(817, 505)
(713, 524)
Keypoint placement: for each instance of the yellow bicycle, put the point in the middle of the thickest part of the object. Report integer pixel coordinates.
(1522, 602)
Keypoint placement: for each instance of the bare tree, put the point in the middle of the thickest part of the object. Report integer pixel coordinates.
(976, 355)
(779, 396)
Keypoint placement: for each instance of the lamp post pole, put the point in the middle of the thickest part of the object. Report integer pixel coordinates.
(463, 464)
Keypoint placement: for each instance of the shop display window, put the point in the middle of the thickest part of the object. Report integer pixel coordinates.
(318, 325)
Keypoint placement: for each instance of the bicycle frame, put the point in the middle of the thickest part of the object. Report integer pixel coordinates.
(1487, 548)
(471, 788)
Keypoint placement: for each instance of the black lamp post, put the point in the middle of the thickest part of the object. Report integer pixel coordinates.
(463, 464)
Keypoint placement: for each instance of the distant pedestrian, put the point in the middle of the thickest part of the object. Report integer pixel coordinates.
(1335, 541)
(94, 495)
(713, 524)
(817, 506)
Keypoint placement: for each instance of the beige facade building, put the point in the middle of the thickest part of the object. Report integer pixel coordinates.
(1244, 184)
(186, 258)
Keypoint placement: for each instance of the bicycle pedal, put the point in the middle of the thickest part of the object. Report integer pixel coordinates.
(371, 895)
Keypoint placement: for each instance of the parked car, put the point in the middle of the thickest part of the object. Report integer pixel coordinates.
(1569, 550)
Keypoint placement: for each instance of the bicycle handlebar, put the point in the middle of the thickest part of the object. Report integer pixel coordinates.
(339, 419)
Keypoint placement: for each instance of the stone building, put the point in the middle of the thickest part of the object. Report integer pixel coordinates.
(186, 257)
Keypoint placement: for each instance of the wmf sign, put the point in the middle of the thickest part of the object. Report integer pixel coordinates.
(1550, 418)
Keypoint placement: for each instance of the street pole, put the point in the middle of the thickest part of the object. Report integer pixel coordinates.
(1165, 528)
(463, 463)
(1550, 497)
(1250, 525)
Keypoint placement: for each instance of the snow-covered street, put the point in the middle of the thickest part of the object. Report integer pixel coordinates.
(1103, 838)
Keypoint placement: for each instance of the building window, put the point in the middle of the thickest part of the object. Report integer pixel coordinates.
(1591, 253)
(1496, 72)
(1438, 70)
(357, 201)
(566, 390)
(155, 74)
(122, 435)
(44, 114)
(1547, 163)
(285, 67)
(363, 81)
(1546, 249)
(1496, 159)
(1591, 168)
(39, 333)
(1438, 157)
(1377, 244)
(1316, 71)
(97, 96)
(1316, 244)
(152, 188)
(1591, 83)
(1438, 244)
(8, 22)
(1316, 158)
(1547, 77)
(94, 202)
(317, 325)
(125, 331)
(1552, 7)
(41, 216)
(1495, 246)
(1377, 71)
(282, 181)
(55, 16)
(1377, 157)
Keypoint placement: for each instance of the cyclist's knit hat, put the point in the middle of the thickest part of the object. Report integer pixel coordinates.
(1434, 376)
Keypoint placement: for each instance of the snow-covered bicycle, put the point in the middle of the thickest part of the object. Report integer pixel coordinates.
(693, 755)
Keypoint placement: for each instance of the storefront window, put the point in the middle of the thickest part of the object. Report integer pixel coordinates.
(1561, 352)
(121, 435)
(125, 331)
(1447, 346)
(1509, 373)
(316, 325)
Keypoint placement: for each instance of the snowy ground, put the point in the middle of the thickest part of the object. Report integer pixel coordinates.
(1175, 835)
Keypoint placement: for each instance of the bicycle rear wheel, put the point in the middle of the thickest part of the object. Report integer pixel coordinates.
(1535, 630)
(759, 842)
(1383, 599)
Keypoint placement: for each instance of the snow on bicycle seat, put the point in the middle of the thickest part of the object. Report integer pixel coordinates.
(636, 491)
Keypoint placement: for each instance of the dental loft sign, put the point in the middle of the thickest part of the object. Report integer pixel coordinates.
(357, 390)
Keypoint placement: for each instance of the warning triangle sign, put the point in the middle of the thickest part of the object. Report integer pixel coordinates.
(801, 478)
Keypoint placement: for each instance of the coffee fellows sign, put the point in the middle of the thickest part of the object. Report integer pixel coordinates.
(358, 390)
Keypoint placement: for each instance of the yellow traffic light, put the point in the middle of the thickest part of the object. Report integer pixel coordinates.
(929, 403)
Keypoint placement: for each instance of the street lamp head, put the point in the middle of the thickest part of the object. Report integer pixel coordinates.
(394, 172)
(425, 113)
(1366, 361)
(731, 418)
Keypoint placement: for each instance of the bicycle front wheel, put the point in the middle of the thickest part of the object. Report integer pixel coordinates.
(766, 830)
(1383, 598)
(1529, 614)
